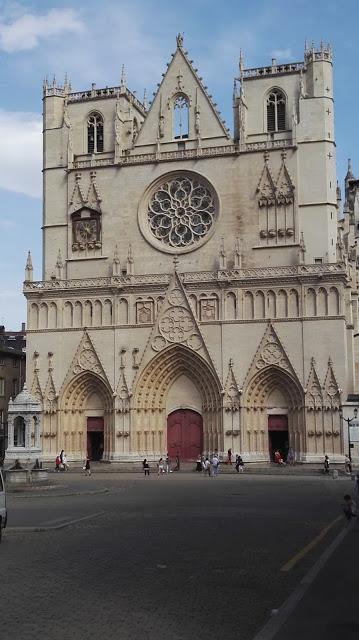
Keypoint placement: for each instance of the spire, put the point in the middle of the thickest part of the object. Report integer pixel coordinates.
(349, 175)
(59, 266)
(130, 262)
(123, 77)
(116, 265)
(237, 255)
(66, 84)
(28, 268)
(222, 255)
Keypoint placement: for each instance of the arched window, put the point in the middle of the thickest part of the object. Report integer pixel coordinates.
(19, 432)
(276, 111)
(180, 117)
(95, 133)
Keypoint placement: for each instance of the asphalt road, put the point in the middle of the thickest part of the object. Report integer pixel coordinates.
(175, 557)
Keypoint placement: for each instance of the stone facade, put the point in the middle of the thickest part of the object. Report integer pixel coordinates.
(188, 269)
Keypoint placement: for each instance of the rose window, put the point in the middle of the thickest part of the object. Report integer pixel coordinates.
(181, 212)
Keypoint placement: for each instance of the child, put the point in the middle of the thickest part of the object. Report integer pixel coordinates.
(146, 467)
(349, 507)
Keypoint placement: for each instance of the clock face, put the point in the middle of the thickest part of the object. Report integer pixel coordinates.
(86, 231)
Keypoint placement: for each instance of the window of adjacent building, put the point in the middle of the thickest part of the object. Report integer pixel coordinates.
(2, 362)
(276, 111)
(318, 260)
(2, 387)
(19, 432)
(95, 133)
(180, 117)
(14, 363)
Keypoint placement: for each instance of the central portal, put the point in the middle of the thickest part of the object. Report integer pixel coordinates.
(184, 434)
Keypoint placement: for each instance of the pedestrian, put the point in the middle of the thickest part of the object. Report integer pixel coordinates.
(146, 467)
(290, 456)
(199, 463)
(178, 463)
(229, 456)
(57, 464)
(64, 462)
(215, 464)
(239, 464)
(62, 457)
(160, 467)
(207, 466)
(168, 464)
(356, 485)
(326, 464)
(349, 507)
(87, 466)
(347, 465)
(278, 458)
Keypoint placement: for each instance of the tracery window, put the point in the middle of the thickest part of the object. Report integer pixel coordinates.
(180, 117)
(181, 212)
(95, 133)
(276, 111)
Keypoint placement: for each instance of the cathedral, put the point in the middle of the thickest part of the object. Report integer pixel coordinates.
(198, 292)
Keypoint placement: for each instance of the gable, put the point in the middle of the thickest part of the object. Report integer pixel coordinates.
(181, 79)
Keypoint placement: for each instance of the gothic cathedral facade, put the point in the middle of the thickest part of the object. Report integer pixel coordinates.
(196, 295)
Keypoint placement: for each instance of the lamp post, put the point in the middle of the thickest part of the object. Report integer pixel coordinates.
(349, 421)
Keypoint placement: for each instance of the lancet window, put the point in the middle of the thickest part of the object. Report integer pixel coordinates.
(276, 104)
(95, 133)
(180, 117)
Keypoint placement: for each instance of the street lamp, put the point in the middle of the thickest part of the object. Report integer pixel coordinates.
(349, 421)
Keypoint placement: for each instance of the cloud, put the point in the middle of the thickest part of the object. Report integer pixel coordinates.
(21, 152)
(26, 31)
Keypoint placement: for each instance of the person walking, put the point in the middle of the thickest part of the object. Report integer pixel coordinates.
(326, 464)
(160, 467)
(239, 464)
(57, 464)
(64, 461)
(215, 465)
(146, 467)
(229, 456)
(199, 463)
(87, 467)
(178, 463)
(168, 464)
(207, 467)
(347, 465)
(62, 457)
(349, 507)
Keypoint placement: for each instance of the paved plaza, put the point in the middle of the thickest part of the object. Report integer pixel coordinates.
(177, 557)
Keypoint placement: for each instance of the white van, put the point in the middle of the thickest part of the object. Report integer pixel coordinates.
(3, 511)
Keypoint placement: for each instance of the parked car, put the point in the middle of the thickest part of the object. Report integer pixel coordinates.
(3, 510)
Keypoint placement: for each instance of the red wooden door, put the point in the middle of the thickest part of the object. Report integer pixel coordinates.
(184, 434)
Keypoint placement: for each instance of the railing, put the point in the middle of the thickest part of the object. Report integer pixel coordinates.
(254, 273)
(185, 154)
(258, 72)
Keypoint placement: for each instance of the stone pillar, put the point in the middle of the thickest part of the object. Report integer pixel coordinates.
(10, 432)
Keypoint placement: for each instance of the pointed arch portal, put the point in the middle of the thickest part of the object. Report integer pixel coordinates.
(87, 409)
(273, 403)
(151, 393)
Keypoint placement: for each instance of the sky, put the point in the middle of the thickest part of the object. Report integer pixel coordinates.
(91, 40)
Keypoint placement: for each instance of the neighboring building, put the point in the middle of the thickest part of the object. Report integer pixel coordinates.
(195, 294)
(12, 374)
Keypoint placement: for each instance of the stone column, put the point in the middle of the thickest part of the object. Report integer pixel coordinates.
(10, 433)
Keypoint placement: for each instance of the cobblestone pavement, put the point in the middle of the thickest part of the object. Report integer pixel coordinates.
(173, 557)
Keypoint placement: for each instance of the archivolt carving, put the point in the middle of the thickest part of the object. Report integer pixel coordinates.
(164, 368)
